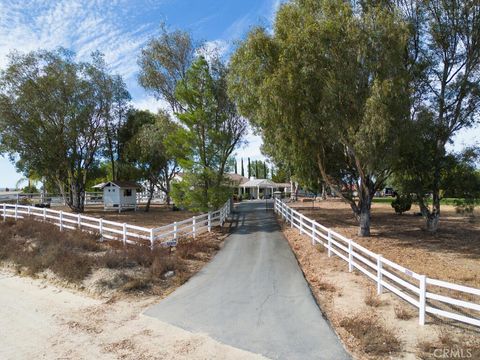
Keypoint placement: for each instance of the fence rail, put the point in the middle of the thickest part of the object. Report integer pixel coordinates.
(128, 234)
(428, 295)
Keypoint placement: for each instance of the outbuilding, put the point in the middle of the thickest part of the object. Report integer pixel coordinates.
(119, 195)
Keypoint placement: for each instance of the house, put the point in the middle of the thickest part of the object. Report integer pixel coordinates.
(119, 195)
(257, 188)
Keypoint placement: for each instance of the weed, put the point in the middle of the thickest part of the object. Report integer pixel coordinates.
(402, 313)
(375, 338)
(373, 300)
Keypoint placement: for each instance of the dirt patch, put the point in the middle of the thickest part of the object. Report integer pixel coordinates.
(453, 254)
(80, 260)
(158, 215)
(350, 297)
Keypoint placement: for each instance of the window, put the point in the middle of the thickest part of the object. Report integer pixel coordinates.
(127, 192)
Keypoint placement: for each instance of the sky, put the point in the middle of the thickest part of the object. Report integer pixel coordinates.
(119, 29)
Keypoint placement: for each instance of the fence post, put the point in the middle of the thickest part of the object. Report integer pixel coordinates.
(44, 214)
(194, 230)
(291, 217)
(18, 200)
(422, 300)
(28, 210)
(124, 230)
(313, 232)
(16, 211)
(4, 212)
(209, 221)
(350, 256)
(79, 222)
(61, 220)
(379, 275)
(175, 230)
(329, 244)
(152, 239)
(100, 227)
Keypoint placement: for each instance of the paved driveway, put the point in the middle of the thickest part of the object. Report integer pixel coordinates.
(253, 296)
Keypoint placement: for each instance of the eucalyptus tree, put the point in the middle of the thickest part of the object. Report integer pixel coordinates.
(444, 64)
(328, 88)
(53, 116)
(164, 62)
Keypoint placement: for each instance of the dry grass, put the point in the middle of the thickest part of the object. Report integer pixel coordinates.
(403, 313)
(449, 347)
(374, 337)
(452, 254)
(372, 299)
(73, 255)
(323, 285)
(35, 246)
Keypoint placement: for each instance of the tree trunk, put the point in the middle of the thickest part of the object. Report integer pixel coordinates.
(364, 221)
(432, 221)
(77, 197)
(151, 190)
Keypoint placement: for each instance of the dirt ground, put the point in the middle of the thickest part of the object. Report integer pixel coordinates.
(39, 320)
(350, 298)
(158, 215)
(44, 313)
(344, 296)
(453, 254)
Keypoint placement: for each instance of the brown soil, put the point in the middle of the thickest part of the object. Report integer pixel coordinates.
(349, 300)
(158, 215)
(453, 254)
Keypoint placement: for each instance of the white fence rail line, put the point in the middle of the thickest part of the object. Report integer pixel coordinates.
(414, 288)
(128, 234)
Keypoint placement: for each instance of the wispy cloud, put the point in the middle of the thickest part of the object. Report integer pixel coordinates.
(81, 25)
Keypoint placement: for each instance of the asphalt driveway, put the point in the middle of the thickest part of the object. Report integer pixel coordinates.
(253, 295)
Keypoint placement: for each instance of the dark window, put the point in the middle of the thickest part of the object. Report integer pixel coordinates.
(127, 192)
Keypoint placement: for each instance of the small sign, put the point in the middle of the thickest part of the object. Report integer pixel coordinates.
(408, 272)
(170, 243)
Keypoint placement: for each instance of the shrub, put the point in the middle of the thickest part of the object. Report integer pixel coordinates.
(403, 313)
(373, 300)
(374, 337)
(464, 206)
(402, 203)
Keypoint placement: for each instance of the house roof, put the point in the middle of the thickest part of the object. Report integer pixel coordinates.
(239, 179)
(120, 184)
(262, 183)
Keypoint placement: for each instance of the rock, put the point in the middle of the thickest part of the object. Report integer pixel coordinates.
(169, 274)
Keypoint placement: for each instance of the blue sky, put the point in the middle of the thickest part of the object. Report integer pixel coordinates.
(119, 28)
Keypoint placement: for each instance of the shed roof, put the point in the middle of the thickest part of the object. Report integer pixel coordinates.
(239, 179)
(120, 184)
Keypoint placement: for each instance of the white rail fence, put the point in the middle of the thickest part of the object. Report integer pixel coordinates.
(428, 295)
(130, 234)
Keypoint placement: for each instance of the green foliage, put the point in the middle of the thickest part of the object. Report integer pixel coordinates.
(327, 91)
(53, 116)
(211, 130)
(402, 203)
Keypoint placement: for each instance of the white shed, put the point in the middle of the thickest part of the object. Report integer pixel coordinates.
(120, 195)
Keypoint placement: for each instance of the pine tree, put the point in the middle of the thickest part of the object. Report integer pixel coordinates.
(243, 171)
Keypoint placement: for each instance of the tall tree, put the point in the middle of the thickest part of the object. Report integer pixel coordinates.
(243, 171)
(212, 129)
(164, 62)
(328, 88)
(53, 116)
(149, 151)
(249, 169)
(444, 64)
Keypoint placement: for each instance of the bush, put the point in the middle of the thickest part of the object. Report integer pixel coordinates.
(402, 203)
(464, 206)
